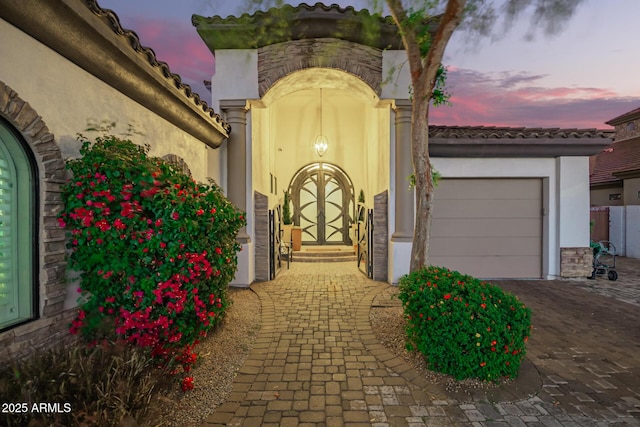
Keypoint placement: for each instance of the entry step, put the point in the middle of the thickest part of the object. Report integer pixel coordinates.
(325, 254)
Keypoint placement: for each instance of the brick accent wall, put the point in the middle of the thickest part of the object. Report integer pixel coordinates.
(575, 262)
(261, 220)
(281, 59)
(52, 322)
(380, 236)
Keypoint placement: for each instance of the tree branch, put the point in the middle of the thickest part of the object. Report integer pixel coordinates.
(409, 39)
(448, 23)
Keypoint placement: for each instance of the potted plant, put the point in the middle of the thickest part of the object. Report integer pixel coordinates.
(286, 218)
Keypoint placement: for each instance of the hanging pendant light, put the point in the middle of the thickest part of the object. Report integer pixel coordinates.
(321, 143)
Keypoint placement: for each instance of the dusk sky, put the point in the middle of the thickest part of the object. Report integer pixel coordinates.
(582, 77)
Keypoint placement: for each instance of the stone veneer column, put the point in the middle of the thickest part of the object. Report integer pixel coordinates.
(404, 198)
(236, 116)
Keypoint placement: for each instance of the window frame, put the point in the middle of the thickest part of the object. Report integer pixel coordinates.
(28, 242)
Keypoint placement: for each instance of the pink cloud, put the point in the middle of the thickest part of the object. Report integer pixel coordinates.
(519, 99)
(179, 45)
(510, 98)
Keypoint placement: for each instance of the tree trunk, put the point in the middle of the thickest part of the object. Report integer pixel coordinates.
(424, 183)
(423, 76)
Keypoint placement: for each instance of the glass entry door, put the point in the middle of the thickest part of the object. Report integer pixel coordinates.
(323, 200)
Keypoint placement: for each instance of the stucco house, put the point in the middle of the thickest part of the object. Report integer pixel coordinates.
(512, 202)
(65, 65)
(615, 186)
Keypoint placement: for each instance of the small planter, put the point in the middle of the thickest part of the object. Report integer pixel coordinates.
(296, 237)
(286, 233)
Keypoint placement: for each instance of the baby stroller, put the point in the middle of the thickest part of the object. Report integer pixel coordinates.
(604, 260)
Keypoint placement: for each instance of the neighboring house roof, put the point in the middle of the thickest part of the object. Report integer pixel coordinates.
(492, 141)
(287, 23)
(93, 39)
(626, 117)
(619, 158)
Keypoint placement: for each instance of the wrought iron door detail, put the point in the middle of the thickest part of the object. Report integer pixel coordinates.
(323, 200)
(275, 233)
(365, 240)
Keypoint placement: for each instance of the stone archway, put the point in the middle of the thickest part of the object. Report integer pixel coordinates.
(323, 201)
(51, 175)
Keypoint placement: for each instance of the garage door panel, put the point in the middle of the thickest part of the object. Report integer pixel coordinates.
(514, 267)
(480, 189)
(486, 208)
(481, 247)
(486, 227)
(489, 228)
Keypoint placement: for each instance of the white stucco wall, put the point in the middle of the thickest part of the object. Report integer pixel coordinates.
(618, 229)
(632, 219)
(67, 97)
(235, 76)
(573, 201)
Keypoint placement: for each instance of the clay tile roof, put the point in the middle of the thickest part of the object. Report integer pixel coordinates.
(626, 117)
(514, 132)
(618, 157)
(304, 21)
(150, 56)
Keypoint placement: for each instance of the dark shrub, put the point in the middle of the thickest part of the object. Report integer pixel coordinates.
(98, 386)
(465, 327)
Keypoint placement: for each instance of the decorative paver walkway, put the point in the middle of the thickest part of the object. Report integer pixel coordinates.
(316, 361)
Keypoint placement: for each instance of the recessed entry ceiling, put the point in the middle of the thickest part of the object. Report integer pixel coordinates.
(325, 78)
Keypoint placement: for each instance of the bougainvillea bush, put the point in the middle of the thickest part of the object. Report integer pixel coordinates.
(155, 250)
(465, 327)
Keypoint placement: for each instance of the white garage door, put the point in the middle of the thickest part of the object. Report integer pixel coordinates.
(488, 228)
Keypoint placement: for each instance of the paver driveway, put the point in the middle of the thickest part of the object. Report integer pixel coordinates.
(316, 361)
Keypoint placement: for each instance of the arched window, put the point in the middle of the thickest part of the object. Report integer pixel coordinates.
(17, 213)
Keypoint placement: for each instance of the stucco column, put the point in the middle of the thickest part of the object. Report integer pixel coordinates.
(236, 116)
(404, 198)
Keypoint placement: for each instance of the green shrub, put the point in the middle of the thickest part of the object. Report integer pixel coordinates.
(98, 386)
(155, 250)
(465, 327)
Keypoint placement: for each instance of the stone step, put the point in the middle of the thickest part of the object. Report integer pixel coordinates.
(325, 254)
(300, 257)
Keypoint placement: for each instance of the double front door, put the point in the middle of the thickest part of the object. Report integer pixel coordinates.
(323, 202)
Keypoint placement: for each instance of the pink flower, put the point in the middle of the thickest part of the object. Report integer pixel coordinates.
(187, 383)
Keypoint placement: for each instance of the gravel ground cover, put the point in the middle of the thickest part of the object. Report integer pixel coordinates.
(220, 355)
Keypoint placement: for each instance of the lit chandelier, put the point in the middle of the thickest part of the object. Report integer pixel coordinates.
(322, 143)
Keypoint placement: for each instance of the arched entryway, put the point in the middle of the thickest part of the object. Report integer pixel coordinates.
(323, 203)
